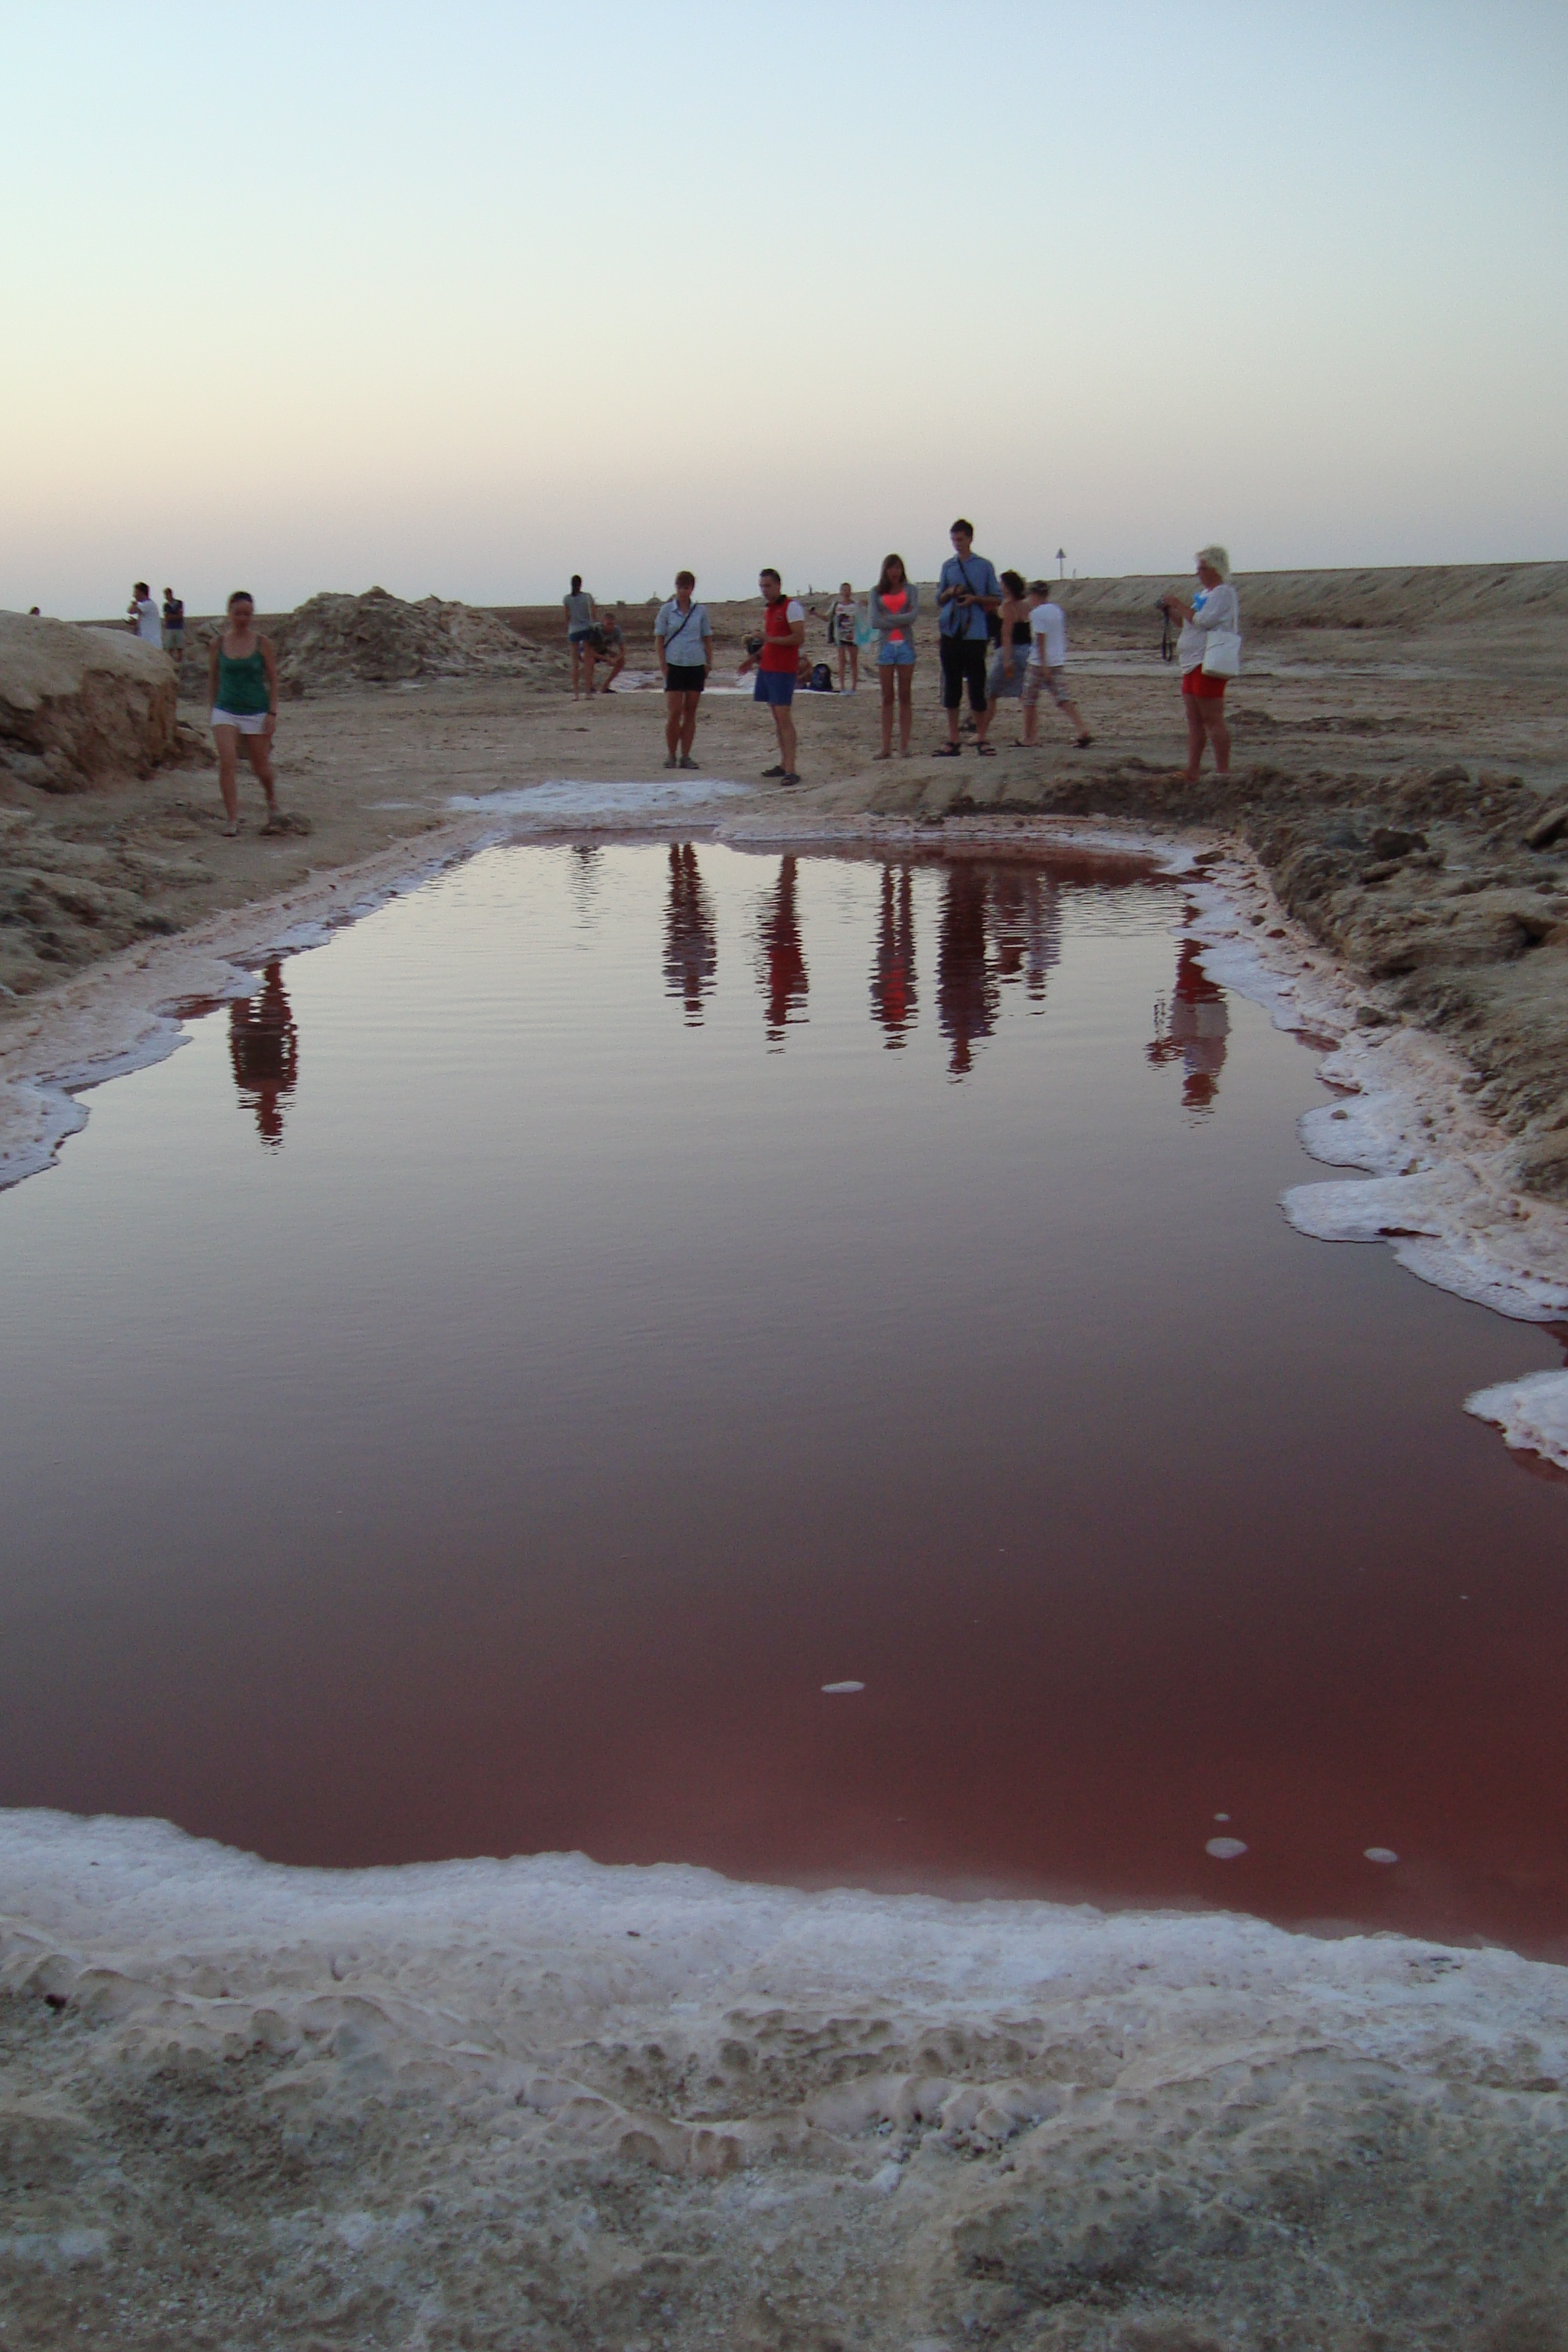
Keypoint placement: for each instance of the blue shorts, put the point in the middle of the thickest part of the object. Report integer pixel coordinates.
(776, 686)
(892, 656)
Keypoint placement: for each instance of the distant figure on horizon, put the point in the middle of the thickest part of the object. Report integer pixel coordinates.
(606, 642)
(968, 592)
(242, 680)
(845, 621)
(1209, 651)
(264, 1047)
(144, 616)
(775, 660)
(582, 616)
(34, 614)
(173, 619)
(683, 640)
(895, 602)
(1046, 665)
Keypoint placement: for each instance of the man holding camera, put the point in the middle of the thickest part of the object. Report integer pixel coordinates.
(967, 593)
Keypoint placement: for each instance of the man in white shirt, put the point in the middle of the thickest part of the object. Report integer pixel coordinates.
(1046, 665)
(683, 639)
(144, 616)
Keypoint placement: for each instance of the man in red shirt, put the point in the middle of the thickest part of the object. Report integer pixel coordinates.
(774, 661)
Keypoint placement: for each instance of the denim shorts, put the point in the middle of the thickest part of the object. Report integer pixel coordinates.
(776, 685)
(895, 657)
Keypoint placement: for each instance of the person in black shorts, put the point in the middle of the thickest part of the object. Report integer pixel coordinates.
(967, 593)
(683, 638)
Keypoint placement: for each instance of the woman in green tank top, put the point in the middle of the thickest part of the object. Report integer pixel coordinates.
(242, 678)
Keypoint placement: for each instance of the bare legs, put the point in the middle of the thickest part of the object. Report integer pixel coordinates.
(850, 653)
(680, 723)
(904, 673)
(1205, 723)
(259, 752)
(784, 720)
(578, 649)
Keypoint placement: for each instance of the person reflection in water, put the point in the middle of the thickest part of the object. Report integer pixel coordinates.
(965, 991)
(1028, 928)
(691, 943)
(782, 965)
(893, 973)
(264, 1046)
(1193, 1029)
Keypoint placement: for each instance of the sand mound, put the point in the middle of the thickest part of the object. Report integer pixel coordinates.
(80, 705)
(378, 640)
(541, 2102)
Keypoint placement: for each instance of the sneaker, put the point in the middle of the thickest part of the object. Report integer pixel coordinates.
(687, 762)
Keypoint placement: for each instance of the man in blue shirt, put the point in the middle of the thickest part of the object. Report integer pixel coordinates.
(967, 592)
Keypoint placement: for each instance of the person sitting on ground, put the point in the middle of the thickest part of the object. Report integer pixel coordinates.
(1213, 606)
(683, 639)
(142, 614)
(1006, 680)
(242, 679)
(895, 602)
(582, 618)
(845, 621)
(1047, 665)
(173, 618)
(606, 643)
(967, 594)
(777, 661)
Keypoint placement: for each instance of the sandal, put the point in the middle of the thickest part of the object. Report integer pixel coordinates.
(1082, 742)
(945, 751)
(986, 751)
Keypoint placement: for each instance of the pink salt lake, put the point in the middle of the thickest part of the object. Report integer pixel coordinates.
(482, 1394)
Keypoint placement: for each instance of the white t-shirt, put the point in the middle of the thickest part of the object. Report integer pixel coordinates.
(149, 622)
(845, 618)
(1047, 636)
(683, 633)
(1213, 608)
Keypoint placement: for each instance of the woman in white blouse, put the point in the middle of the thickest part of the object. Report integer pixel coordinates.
(1213, 607)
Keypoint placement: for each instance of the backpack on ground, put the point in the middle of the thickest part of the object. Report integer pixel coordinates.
(821, 680)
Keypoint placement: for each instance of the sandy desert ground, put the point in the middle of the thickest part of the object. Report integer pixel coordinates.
(539, 2104)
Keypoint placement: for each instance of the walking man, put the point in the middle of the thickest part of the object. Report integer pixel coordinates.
(1047, 668)
(967, 593)
(683, 639)
(774, 658)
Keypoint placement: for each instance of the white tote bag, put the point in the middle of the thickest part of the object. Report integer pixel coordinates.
(1222, 654)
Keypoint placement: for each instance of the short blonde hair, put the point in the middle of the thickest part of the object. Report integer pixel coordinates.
(1217, 558)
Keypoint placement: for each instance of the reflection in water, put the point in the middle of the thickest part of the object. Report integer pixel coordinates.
(264, 1046)
(893, 973)
(780, 966)
(965, 991)
(1027, 927)
(690, 941)
(1194, 1026)
(587, 872)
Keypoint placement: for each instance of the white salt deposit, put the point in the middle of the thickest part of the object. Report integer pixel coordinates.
(1226, 1849)
(1532, 1414)
(1383, 1853)
(481, 2092)
(576, 802)
(834, 1690)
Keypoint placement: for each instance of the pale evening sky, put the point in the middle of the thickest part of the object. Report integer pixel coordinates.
(467, 299)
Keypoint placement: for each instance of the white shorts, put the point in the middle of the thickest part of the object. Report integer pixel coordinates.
(248, 722)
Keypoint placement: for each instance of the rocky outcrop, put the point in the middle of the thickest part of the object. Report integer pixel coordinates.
(80, 705)
(376, 639)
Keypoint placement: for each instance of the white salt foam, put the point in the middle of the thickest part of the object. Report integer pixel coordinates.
(1532, 1414)
(579, 800)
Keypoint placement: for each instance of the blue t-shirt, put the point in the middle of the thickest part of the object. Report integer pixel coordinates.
(978, 576)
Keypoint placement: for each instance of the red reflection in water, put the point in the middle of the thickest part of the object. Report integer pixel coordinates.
(508, 1464)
